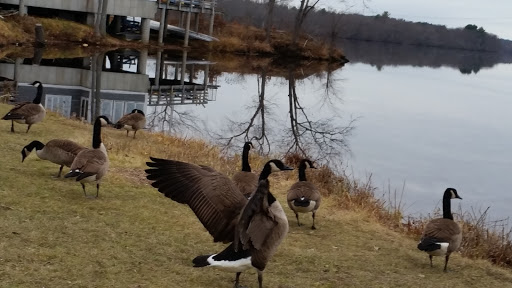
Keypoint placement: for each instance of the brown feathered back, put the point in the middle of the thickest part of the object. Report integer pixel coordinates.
(60, 151)
(91, 161)
(262, 226)
(135, 120)
(304, 189)
(247, 182)
(444, 230)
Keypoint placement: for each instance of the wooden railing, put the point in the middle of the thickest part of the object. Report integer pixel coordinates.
(197, 4)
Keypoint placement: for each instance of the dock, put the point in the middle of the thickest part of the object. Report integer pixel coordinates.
(147, 10)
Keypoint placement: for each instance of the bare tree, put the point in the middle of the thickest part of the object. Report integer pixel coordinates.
(304, 9)
(252, 130)
(307, 136)
(268, 22)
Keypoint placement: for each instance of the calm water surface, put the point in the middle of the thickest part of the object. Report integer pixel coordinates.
(412, 125)
(425, 128)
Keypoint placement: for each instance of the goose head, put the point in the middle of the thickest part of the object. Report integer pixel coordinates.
(451, 193)
(276, 165)
(138, 111)
(104, 120)
(36, 84)
(248, 145)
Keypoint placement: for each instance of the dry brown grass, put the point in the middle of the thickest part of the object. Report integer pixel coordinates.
(243, 39)
(20, 29)
(132, 236)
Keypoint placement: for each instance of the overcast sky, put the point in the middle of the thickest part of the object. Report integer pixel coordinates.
(494, 15)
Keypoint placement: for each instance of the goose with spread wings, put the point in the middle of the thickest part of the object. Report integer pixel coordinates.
(254, 227)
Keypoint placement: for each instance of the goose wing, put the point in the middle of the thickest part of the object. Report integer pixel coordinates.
(212, 196)
(441, 229)
(66, 146)
(262, 226)
(256, 221)
(130, 119)
(89, 161)
(303, 189)
(18, 112)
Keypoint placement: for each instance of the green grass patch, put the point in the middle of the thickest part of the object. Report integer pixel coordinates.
(132, 236)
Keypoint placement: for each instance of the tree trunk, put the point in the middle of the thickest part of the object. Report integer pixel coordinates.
(270, 15)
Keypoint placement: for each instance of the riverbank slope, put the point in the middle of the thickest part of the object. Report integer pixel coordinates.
(132, 236)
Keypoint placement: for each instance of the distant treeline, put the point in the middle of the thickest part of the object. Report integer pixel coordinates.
(327, 25)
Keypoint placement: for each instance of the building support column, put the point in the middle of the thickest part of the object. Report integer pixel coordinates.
(91, 17)
(144, 30)
(180, 22)
(142, 62)
(22, 9)
(212, 18)
(161, 28)
(196, 20)
(187, 29)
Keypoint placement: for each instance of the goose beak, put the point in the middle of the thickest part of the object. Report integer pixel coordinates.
(459, 197)
(287, 168)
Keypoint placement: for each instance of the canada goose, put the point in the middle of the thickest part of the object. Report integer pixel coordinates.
(58, 151)
(245, 180)
(442, 236)
(91, 164)
(255, 227)
(303, 196)
(28, 112)
(135, 120)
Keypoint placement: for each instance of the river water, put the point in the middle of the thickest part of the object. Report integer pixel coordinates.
(414, 119)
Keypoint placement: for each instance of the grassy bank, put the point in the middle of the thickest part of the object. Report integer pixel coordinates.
(132, 236)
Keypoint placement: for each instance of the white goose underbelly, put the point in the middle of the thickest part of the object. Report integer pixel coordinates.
(302, 209)
(239, 265)
(440, 252)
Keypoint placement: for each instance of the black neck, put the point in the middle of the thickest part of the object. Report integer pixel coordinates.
(34, 144)
(96, 134)
(265, 172)
(447, 207)
(270, 198)
(39, 94)
(302, 172)
(245, 159)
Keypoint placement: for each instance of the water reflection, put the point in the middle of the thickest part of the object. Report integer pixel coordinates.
(380, 55)
(112, 83)
(289, 126)
(175, 82)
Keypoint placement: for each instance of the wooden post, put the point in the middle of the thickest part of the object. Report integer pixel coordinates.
(39, 34)
(187, 28)
(38, 56)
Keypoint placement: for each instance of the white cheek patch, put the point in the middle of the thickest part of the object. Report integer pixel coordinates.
(103, 122)
(37, 85)
(453, 194)
(274, 167)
